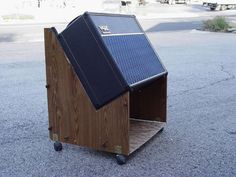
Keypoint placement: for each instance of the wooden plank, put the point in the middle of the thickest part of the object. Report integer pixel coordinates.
(72, 117)
(141, 131)
(49, 60)
(150, 102)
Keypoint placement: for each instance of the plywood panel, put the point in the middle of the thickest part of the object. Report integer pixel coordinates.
(72, 117)
(150, 101)
(141, 131)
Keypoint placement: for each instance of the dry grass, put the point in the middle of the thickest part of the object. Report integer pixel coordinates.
(217, 24)
(17, 17)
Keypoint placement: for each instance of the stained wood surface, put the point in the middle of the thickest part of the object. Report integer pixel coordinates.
(72, 117)
(150, 102)
(141, 131)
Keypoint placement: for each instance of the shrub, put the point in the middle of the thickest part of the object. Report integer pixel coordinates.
(218, 23)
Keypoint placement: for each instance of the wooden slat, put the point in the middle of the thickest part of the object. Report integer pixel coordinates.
(72, 117)
(49, 62)
(141, 131)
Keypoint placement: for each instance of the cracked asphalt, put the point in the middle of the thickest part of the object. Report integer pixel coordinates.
(199, 139)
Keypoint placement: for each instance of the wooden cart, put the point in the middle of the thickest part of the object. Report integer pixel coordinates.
(119, 127)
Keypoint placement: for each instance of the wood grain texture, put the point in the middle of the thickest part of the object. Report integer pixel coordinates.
(141, 131)
(150, 102)
(72, 117)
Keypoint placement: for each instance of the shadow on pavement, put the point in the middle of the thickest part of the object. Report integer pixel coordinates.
(175, 26)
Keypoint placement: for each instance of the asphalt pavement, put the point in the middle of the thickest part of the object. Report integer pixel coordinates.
(199, 139)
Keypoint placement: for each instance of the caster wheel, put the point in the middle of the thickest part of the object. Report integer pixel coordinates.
(57, 146)
(120, 159)
(161, 130)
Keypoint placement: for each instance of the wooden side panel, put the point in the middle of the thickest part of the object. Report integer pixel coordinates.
(150, 102)
(72, 117)
(50, 74)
